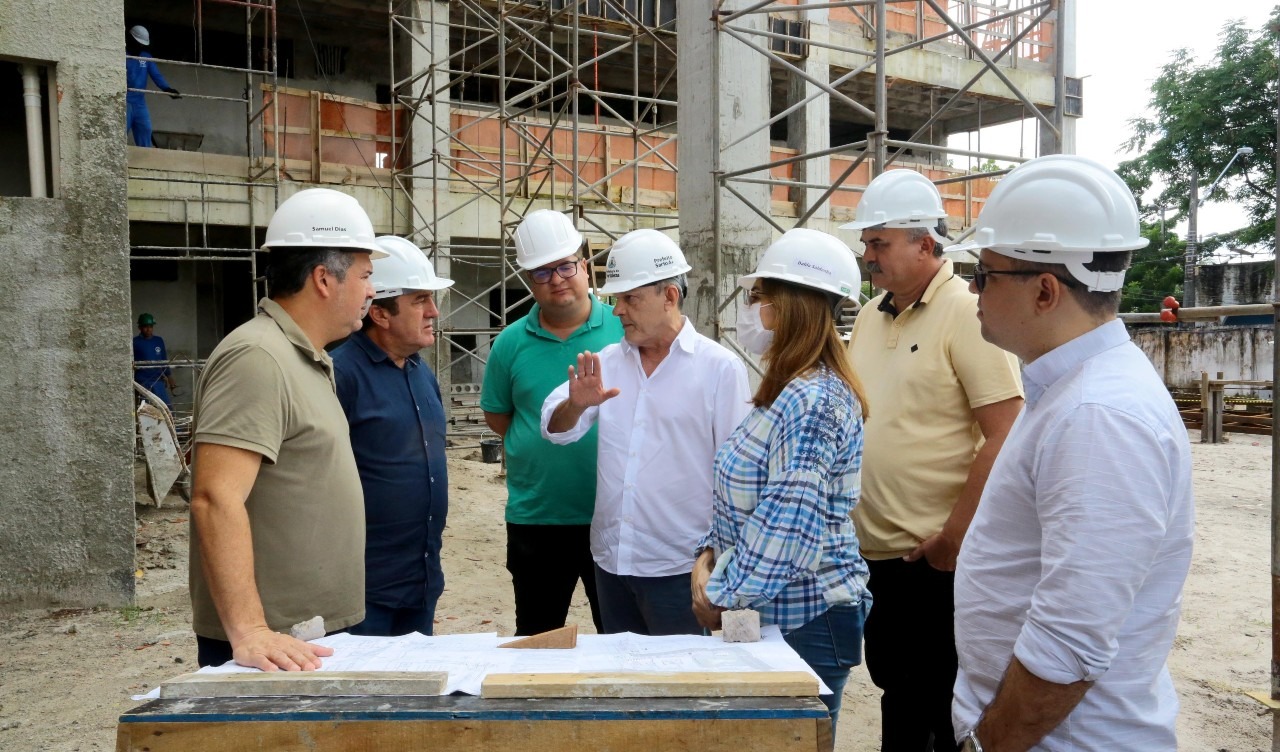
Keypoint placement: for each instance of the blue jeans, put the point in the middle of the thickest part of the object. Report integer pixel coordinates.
(646, 605)
(832, 645)
(385, 621)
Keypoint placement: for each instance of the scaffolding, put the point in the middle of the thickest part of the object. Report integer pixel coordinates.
(996, 34)
(571, 105)
(204, 192)
(566, 105)
(200, 195)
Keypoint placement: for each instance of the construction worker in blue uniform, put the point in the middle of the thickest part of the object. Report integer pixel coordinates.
(147, 346)
(137, 118)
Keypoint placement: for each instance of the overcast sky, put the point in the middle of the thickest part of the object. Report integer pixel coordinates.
(1120, 48)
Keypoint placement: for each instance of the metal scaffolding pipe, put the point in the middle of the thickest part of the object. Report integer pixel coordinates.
(33, 105)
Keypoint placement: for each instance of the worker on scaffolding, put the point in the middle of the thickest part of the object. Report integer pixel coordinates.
(148, 347)
(138, 65)
(392, 401)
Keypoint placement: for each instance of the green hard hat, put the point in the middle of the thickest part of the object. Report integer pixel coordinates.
(146, 319)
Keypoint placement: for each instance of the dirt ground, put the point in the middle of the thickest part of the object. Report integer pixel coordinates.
(67, 674)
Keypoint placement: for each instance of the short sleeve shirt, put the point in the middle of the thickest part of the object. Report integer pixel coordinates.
(925, 370)
(546, 484)
(397, 433)
(268, 390)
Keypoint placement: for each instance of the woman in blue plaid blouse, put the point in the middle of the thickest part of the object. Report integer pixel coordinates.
(781, 541)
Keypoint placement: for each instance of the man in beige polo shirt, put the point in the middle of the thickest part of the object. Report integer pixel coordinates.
(277, 512)
(942, 401)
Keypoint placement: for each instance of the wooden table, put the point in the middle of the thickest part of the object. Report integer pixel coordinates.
(446, 724)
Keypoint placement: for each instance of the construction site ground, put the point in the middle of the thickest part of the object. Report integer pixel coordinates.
(66, 674)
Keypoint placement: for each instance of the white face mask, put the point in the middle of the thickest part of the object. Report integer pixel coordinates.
(754, 338)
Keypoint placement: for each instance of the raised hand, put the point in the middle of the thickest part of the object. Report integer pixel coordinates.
(586, 387)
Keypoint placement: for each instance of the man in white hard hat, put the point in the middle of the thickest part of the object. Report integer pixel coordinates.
(138, 66)
(277, 513)
(1070, 580)
(551, 490)
(665, 399)
(943, 400)
(392, 401)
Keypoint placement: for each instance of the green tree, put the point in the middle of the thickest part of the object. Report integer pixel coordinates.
(1200, 115)
(1156, 271)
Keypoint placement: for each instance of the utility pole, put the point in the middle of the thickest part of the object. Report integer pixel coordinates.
(1275, 447)
(1189, 262)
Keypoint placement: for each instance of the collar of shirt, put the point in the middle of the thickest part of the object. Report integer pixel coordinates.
(686, 339)
(376, 354)
(533, 321)
(944, 273)
(294, 334)
(1041, 373)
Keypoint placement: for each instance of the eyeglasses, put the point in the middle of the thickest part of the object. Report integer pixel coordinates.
(565, 270)
(751, 297)
(980, 274)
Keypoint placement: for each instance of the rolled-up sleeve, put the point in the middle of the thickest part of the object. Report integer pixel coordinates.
(1102, 509)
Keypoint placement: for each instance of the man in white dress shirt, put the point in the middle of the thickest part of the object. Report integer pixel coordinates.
(665, 399)
(1069, 582)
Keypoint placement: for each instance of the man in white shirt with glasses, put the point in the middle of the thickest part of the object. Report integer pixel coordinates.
(665, 399)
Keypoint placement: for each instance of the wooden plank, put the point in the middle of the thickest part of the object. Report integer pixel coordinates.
(707, 735)
(681, 684)
(563, 638)
(306, 684)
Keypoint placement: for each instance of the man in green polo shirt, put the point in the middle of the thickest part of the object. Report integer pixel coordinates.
(551, 489)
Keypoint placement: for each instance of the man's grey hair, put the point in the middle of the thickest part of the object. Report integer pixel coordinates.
(680, 282)
(916, 234)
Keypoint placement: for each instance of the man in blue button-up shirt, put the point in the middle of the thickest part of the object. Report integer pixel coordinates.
(392, 401)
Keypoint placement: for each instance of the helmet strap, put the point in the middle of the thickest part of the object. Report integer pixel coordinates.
(1095, 281)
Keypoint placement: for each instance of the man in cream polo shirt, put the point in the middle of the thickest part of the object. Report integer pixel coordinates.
(277, 511)
(943, 400)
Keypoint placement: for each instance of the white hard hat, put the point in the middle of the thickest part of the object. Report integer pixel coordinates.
(809, 258)
(322, 218)
(900, 199)
(405, 269)
(639, 258)
(140, 35)
(1060, 209)
(544, 236)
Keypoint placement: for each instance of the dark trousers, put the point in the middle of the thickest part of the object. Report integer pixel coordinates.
(546, 562)
(388, 621)
(911, 654)
(646, 605)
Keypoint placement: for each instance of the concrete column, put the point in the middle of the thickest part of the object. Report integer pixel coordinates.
(723, 93)
(430, 192)
(1064, 65)
(809, 128)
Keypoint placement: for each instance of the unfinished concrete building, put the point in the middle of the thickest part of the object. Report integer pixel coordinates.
(720, 122)
(66, 532)
(723, 123)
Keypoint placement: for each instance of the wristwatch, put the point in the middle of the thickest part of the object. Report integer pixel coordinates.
(971, 743)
